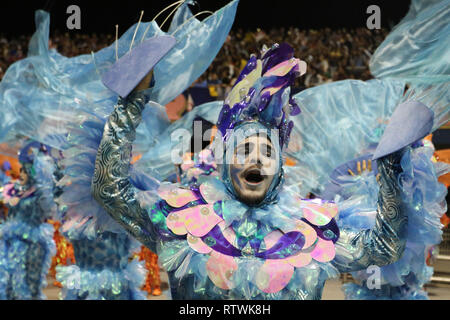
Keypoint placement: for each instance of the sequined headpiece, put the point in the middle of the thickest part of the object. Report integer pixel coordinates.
(262, 93)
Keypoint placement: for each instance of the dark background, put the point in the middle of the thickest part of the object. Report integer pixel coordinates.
(17, 17)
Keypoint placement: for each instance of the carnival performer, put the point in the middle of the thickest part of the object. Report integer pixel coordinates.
(244, 235)
(97, 227)
(152, 283)
(102, 248)
(102, 265)
(26, 241)
(4, 173)
(240, 241)
(406, 57)
(355, 182)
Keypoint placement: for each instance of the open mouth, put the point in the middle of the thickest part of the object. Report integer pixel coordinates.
(254, 176)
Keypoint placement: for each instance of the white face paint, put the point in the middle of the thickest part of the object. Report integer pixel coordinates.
(23, 177)
(253, 167)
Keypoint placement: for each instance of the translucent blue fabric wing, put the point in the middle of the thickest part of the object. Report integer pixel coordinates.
(418, 49)
(339, 121)
(151, 138)
(198, 43)
(181, 15)
(158, 155)
(8, 122)
(154, 122)
(44, 167)
(42, 93)
(63, 103)
(38, 94)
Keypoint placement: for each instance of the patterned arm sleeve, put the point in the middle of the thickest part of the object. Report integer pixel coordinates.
(384, 244)
(111, 185)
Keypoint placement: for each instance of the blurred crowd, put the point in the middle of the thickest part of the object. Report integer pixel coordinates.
(68, 44)
(331, 54)
(11, 50)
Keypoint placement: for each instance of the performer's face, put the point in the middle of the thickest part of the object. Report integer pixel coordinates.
(253, 168)
(23, 177)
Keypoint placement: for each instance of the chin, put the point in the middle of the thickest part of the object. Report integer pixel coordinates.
(252, 198)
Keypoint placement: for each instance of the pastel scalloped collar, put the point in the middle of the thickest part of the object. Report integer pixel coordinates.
(294, 241)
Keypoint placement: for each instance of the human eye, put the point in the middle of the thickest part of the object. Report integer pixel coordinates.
(248, 148)
(245, 149)
(266, 150)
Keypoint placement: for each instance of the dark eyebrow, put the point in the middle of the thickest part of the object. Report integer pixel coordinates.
(247, 144)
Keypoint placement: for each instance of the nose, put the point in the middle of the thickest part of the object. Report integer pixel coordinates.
(255, 159)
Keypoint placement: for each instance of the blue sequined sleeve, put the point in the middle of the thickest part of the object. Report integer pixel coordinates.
(385, 243)
(111, 185)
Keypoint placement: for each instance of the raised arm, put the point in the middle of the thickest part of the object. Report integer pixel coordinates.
(111, 185)
(384, 244)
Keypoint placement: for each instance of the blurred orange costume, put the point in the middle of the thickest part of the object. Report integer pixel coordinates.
(64, 251)
(443, 156)
(152, 282)
(15, 165)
